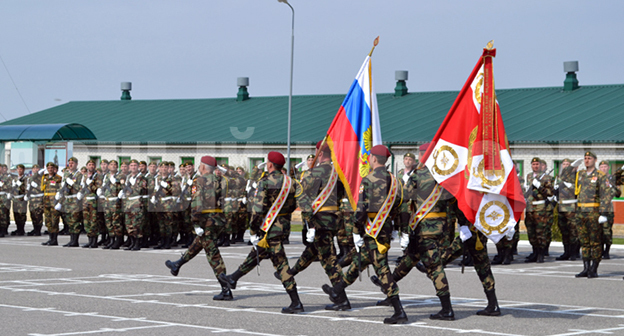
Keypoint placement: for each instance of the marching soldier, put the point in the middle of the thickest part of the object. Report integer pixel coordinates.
(34, 197)
(89, 185)
(133, 190)
(209, 222)
(20, 205)
(567, 211)
(379, 200)
(274, 201)
(593, 196)
(539, 190)
(111, 186)
(5, 200)
(50, 185)
(607, 228)
(68, 198)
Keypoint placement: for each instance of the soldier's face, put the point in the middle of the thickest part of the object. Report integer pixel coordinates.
(113, 167)
(604, 168)
(91, 167)
(142, 167)
(134, 168)
(51, 170)
(35, 170)
(589, 161)
(565, 164)
(240, 172)
(190, 169)
(152, 168)
(309, 161)
(163, 170)
(104, 166)
(71, 165)
(535, 166)
(542, 167)
(408, 162)
(20, 171)
(124, 168)
(170, 169)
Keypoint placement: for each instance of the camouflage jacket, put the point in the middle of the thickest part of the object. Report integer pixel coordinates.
(592, 191)
(614, 190)
(566, 197)
(89, 187)
(34, 192)
(20, 205)
(373, 192)
(185, 193)
(418, 188)
(135, 193)
(268, 189)
(207, 200)
(313, 182)
(50, 186)
(165, 193)
(150, 179)
(536, 198)
(111, 189)
(5, 189)
(69, 192)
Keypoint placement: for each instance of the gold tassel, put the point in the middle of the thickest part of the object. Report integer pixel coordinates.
(263, 242)
(577, 188)
(381, 247)
(478, 245)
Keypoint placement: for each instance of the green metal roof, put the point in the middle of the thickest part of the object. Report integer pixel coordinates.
(588, 114)
(45, 132)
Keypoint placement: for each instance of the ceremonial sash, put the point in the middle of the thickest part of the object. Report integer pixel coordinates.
(277, 205)
(427, 205)
(325, 193)
(373, 228)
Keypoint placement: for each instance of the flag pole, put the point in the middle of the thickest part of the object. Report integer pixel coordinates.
(375, 43)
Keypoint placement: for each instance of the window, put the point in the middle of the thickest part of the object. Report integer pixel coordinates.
(519, 168)
(125, 159)
(222, 160)
(188, 159)
(254, 162)
(294, 162)
(557, 167)
(95, 159)
(156, 159)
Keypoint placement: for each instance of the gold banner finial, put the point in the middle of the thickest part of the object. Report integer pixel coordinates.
(490, 45)
(375, 43)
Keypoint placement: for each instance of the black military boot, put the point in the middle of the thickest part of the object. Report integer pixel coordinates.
(54, 239)
(117, 244)
(145, 242)
(295, 304)
(137, 244)
(167, 245)
(226, 293)
(492, 308)
(89, 242)
(46, 243)
(498, 259)
(446, 313)
(64, 231)
(189, 240)
(174, 266)
(541, 252)
(161, 244)
(385, 302)
(566, 253)
(399, 314)
(545, 250)
(94, 242)
(73, 240)
(226, 240)
(533, 256)
(103, 240)
(605, 252)
(240, 236)
(585, 270)
(507, 256)
(338, 296)
(593, 269)
(77, 235)
(129, 243)
(111, 241)
(575, 251)
(231, 279)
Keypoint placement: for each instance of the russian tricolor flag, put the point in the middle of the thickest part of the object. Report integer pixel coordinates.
(354, 131)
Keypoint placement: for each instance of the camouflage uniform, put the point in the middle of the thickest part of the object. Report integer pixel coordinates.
(35, 203)
(20, 205)
(186, 197)
(539, 214)
(111, 186)
(607, 227)
(164, 191)
(135, 190)
(151, 226)
(50, 186)
(69, 200)
(239, 216)
(594, 196)
(5, 203)
(567, 213)
(177, 216)
(89, 186)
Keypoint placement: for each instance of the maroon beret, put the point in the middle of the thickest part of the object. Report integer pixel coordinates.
(380, 150)
(423, 147)
(325, 147)
(277, 158)
(209, 160)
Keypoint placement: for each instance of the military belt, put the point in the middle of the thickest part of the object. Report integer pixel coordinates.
(90, 198)
(538, 202)
(134, 197)
(168, 198)
(372, 214)
(112, 198)
(435, 215)
(18, 196)
(36, 196)
(344, 200)
(328, 208)
(212, 211)
(50, 194)
(572, 201)
(71, 196)
(589, 205)
(2, 192)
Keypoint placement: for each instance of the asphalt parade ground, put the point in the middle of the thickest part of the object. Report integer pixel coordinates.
(75, 291)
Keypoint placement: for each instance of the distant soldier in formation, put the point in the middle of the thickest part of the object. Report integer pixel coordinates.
(164, 200)
(607, 228)
(5, 200)
(134, 205)
(567, 209)
(34, 196)
(538, 218)
(50, 185)
(111, 186)
(68, 199)
(89, 185)
(20, 205)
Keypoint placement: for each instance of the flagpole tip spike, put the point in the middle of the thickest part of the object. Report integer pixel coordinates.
(376, 41)
(490, 45)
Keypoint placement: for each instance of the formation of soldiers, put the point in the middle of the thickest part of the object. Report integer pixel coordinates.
(214, 205)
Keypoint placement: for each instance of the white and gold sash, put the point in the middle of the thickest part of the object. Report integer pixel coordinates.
(326, 192)
(426, 207)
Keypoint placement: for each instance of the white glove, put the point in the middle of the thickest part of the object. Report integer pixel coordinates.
(183, 187)
(164, 184)
(121, 194)
(69, 181)
(261, 165)
(510, 233)
(576, 163)
(300, 164)
(153, 200)
(33, 184)
(25, 198)
(199, 231)
(178, 200)
(536, 183)
(189, 182)
(156, 188)
(57, 196)
(551, 198)
(13, 183)
(404, 241)
(58, 207)
(255, 185)
(222, 169)
(602, 219)
(82, 184)
(113, 179)
(89, 181)
(464, 233)
(395, 234)
(254, 240)
(358, 241)
(99, 192)
(310, 235)
(568, 184)
(79, 196)
(244, 200)
(18, 183)
(9, 195)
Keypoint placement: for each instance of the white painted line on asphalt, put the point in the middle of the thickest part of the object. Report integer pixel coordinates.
(607, 331)
(5, 267)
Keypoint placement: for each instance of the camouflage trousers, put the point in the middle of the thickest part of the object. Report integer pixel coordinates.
(36, 215)
(135, 220)
(590, 235)
(5, 217)
(321, 249)
(345, 231)
(101, 222)
(229, 222)
(165, 223)
(113, 221)
(208, 242)
(538, 228)
(504, 243)
(90, 219)
(567, 226)
(479, 257)
(240, 222)
(52, 218)
(607, 229)
(430, 249)
(72, 219)
(276, 253)
(369, 255)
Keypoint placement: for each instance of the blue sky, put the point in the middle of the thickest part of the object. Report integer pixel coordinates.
(60, 51)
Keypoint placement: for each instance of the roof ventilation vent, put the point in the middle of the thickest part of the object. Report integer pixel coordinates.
(570, 83)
